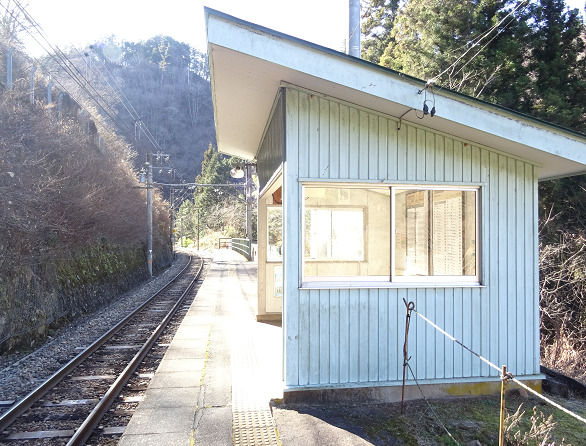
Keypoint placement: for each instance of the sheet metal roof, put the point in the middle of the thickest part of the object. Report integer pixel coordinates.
(248, 63)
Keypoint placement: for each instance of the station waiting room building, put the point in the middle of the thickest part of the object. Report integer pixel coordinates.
(366, 201)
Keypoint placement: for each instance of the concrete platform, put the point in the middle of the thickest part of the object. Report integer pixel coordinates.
(215, 383)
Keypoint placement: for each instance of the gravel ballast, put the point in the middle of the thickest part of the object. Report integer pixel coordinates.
(20, 373)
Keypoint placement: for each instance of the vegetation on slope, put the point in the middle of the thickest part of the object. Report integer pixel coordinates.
(72, 231)
(214, 212)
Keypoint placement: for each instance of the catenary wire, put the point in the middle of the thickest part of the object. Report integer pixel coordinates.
(69, 67)
(476, 42)
(63, 87)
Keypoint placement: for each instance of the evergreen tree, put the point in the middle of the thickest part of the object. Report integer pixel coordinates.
(467, 46)
(378, 17)
(525, 55)
(557, 65)
(215, 169)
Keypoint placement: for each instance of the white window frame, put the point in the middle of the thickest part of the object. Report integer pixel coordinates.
(393, 280)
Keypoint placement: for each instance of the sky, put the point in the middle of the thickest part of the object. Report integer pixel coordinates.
(79, 22)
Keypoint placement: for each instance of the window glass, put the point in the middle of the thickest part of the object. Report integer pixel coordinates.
(275, 233)
(334, 234)
(347, 233)
(344, 231)
(435, 232)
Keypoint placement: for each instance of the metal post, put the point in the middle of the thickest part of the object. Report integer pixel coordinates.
(198, 229)
(410, 307)
(149, 186)
(502, 417)
(9, 69)
(248, 199)
(172, 220)
(354, 29)
(60, 106)
(88, 65)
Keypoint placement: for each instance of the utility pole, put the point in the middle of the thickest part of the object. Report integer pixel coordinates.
(240, 171)
(149, 186)
(354, 29)
(32, 93)
(181, 237)
(172, 219)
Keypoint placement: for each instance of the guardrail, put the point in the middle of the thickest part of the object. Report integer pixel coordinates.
(242, 246)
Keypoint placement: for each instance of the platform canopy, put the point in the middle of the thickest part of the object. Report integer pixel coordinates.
(249, 63)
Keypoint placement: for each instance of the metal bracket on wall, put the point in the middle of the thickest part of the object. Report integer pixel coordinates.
(401, 118)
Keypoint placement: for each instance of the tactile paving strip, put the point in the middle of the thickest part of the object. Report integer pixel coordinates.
(252, 420)
(254, 428)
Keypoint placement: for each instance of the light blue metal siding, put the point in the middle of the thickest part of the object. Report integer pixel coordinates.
(355, 336)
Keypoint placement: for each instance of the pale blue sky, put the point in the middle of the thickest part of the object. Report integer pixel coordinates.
(80, 21)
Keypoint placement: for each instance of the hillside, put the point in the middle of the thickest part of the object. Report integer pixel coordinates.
(72, 231)
(155, 94)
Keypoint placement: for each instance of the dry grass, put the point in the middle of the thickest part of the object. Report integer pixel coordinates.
(563, 356)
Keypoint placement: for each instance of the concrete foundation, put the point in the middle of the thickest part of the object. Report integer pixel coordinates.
(393, 394)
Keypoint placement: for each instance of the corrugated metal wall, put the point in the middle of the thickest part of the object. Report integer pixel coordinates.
(271, 152)
(340, 336)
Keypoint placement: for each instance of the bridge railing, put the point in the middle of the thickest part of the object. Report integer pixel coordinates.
(242, 246)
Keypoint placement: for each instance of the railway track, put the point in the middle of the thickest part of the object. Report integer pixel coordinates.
(85, 397)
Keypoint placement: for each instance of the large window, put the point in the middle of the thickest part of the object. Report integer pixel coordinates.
(391, 233)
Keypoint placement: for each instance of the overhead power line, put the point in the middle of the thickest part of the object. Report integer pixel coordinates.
(69, 67)
(66, 65)
(475, 42)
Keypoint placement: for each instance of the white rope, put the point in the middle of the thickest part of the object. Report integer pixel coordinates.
(498, 369)
(437, 418)
(563, 409)
(524, 386)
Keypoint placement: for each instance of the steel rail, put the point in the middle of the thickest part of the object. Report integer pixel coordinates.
(94, 418)
(8, 417)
